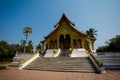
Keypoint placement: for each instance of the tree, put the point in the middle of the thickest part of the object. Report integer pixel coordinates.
(4, 52)
(39, 47)
(102, 49)
(13, 48)
(86, 46)
(30, 46)
(91, 32)
(23, 42)
(113, 45)
(8, 51)
(26, 31)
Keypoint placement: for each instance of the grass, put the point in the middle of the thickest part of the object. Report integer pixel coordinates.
(5, 62)
(2, 67)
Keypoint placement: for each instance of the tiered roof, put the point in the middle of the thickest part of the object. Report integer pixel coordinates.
(72, 25)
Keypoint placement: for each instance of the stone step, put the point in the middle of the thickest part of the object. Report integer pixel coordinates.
(58, 62)
(18, 58)
(70, 64)
(64, 67)
(62, 59)
(62, 64)
(65, 70)
(14, 64)
(49, 68)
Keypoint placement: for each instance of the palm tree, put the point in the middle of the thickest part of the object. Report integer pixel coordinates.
(39, 47)
(26, 31)
(30, 46)
(91, 32)
(23, 43)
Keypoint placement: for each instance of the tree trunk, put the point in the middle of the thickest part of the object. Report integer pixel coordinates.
(25, 44)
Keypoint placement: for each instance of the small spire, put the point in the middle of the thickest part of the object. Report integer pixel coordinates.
(63, 11)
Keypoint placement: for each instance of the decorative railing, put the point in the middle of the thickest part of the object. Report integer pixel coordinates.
(56, 52)
(99, 62)
(26, 59)
(71, 49)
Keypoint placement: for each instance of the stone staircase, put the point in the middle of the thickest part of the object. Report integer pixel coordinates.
(64, 53)
(65, 64)
(80, 52)
(18, 58)
(49, 53)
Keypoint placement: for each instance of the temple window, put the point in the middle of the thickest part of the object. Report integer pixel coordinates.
(51, 44)
(55, 44)
(79, 43)
(74, 43)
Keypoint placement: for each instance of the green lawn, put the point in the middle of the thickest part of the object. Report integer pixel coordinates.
(2, 67)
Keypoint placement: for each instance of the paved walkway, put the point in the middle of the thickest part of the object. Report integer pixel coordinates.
(12, 74)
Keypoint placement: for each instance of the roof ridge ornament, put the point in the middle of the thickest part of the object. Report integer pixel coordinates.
(64, 15)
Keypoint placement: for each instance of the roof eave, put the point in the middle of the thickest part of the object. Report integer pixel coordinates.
(52, 32)
(63, 15)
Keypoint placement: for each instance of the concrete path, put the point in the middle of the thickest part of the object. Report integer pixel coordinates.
(12, 74)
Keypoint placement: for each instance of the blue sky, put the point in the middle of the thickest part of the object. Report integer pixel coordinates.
(42, 15)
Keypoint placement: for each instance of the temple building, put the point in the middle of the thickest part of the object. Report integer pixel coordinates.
(65, 38)
(64, 49)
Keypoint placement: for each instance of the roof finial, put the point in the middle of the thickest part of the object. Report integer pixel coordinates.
(63, 12)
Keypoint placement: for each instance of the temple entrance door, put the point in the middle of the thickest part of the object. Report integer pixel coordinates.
(64, 45)
(61, 41)
(64, 41)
